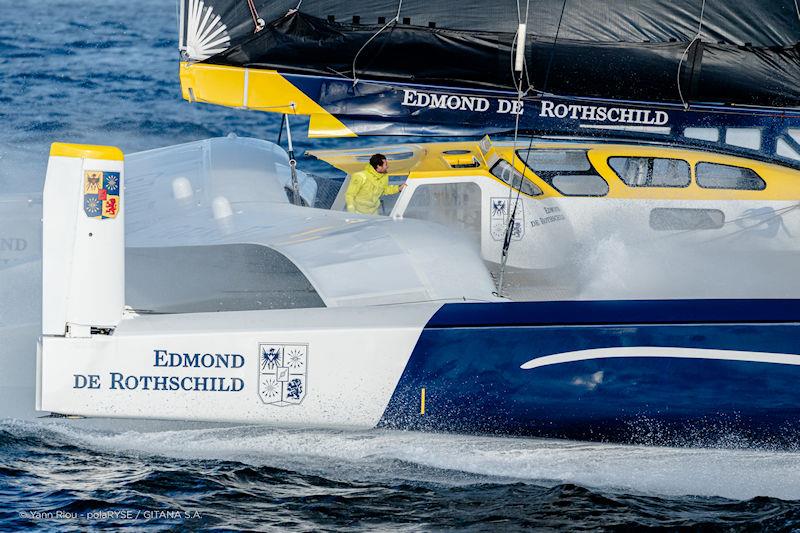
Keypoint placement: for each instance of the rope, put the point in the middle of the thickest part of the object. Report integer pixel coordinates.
(778, 215)
(553, 47)
(514, 45)
(511, 223)
(295, 9)
(685, 52)
(389, 23)
(258, 22)
(511, 213)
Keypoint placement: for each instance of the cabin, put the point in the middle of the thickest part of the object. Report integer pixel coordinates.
(568, 192)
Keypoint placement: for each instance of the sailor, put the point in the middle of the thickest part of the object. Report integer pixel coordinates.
(366, 187)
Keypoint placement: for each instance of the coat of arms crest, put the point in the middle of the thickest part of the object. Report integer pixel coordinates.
(101, 194)
(282, 372)
(499, 212)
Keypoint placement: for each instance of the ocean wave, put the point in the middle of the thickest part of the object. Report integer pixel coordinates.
(254, 477)
(393, 456)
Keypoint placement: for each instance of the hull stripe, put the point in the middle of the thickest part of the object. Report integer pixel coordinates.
(661, 351)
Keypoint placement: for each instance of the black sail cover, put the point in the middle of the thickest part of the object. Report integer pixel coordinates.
(744, 52)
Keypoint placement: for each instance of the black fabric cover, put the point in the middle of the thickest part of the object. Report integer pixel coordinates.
(622, 49)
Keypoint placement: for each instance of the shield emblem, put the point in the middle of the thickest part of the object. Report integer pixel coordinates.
(499, 211)
(101, 194)
(282, 372)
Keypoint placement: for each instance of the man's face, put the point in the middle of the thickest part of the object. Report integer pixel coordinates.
(383, 168)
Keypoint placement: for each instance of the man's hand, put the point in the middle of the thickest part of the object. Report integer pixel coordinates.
(401, 187)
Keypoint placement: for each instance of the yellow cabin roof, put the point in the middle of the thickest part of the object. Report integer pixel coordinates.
(450, 159)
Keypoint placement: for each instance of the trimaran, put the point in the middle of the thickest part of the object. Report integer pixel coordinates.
(207, 281)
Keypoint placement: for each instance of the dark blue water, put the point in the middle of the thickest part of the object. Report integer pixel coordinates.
(105, 72)
(257, 478)
(100, 72)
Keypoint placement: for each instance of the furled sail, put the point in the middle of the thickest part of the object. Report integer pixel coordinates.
(742, 52)
(434, 67)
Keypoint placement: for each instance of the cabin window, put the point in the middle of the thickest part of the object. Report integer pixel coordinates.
(504, 171)
(580, 184)
(568, 171)
(456, 205)
(704, 134)
(785, 150)
(651, 171)
(744, 137)
(555, 160)
(399, 156)
(716, 176)
(683, 219)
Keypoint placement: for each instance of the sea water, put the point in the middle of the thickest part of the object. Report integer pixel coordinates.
(106, 72)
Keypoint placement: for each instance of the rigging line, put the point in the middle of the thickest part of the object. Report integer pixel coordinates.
(686, 52)
(511, 214)
(258, 22)
(777, 213)
(512, 223)
(510, 220)
(553, 47)
(340, 74)
(525, 60)
(515, 43)
(514, 46)
(291, 106)
(280, 131)
(388, 23)
(754, 227)
(527, 10)
(797, 8)
(520, 94)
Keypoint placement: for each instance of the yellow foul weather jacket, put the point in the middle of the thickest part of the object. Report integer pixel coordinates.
(365, 190)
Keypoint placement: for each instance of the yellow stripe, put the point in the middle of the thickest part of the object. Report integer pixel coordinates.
(262, 90)
(86, 151)
(327, 125)
(422, 401)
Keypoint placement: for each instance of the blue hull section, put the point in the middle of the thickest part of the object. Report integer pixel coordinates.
(718, 385)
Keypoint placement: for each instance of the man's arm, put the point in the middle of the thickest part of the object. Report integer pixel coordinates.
(393, 189)
(356, 182)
